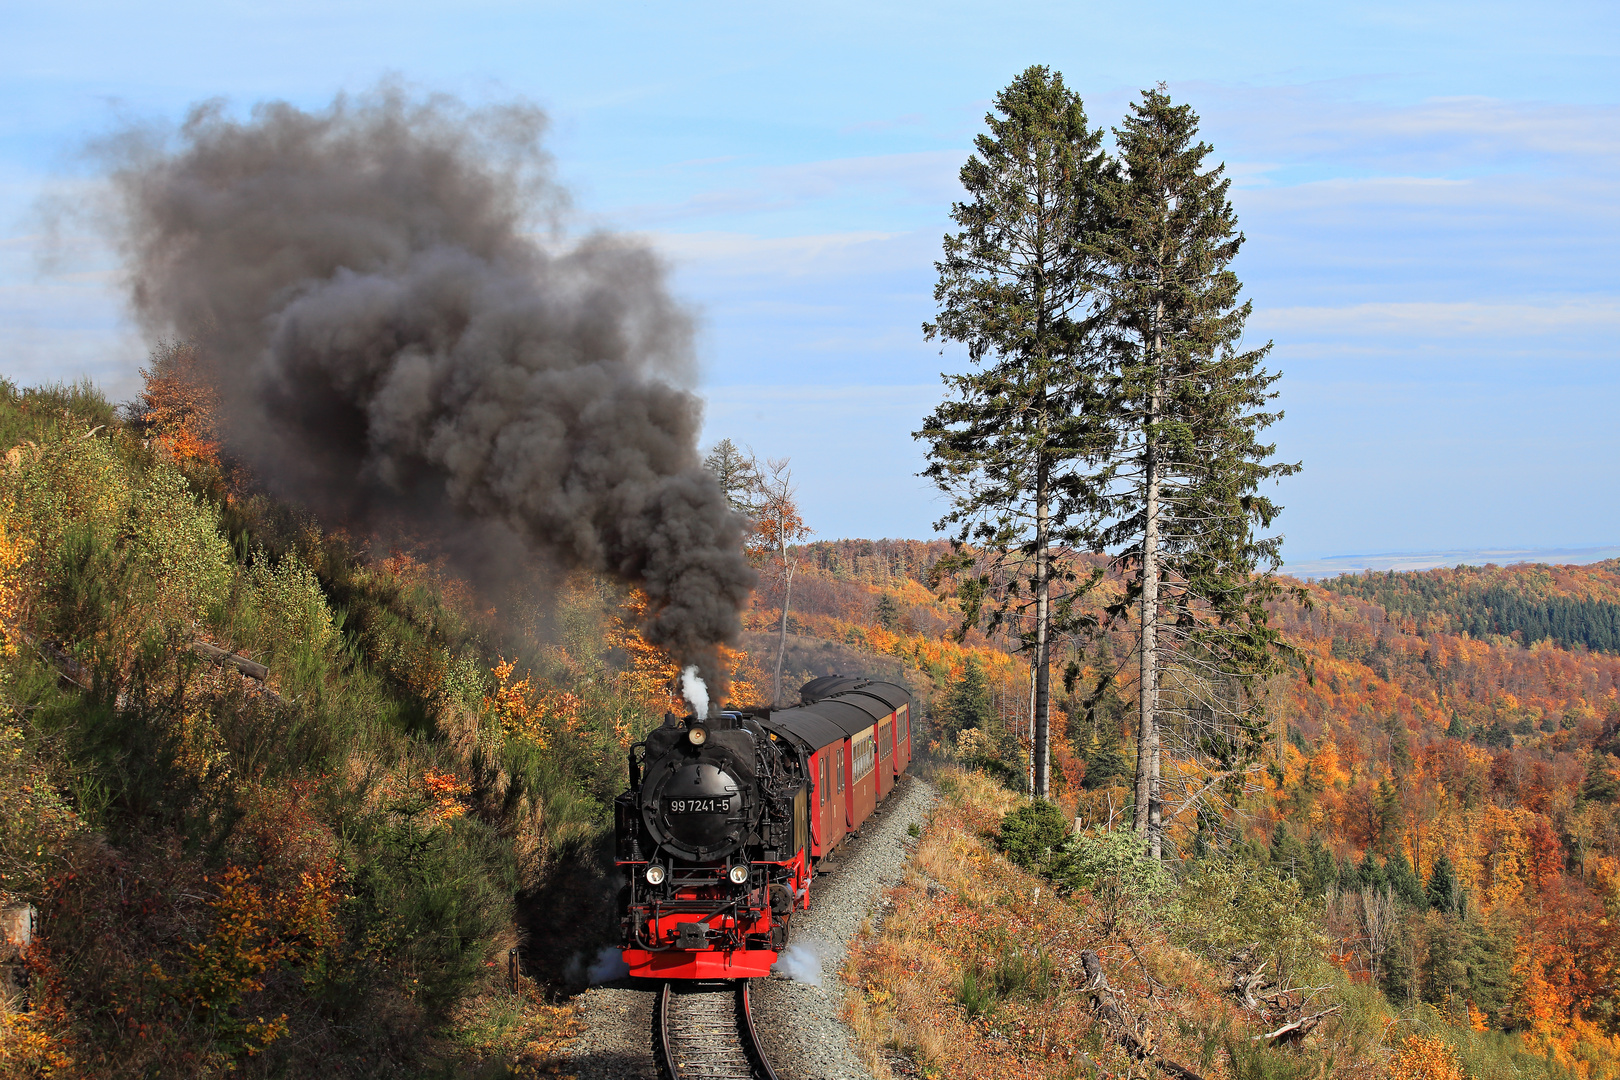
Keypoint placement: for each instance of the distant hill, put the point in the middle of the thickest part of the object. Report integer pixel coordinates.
(1332, 565)
(1574, 606)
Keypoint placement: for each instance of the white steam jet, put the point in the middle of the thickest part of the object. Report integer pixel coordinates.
(695, 692)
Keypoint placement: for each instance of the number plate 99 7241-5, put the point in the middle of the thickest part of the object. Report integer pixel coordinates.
(699, 806)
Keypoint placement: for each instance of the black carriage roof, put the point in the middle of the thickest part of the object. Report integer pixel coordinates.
(845, 715)
(889, 693)
(808, 726)
(826, 686)
(842, 686)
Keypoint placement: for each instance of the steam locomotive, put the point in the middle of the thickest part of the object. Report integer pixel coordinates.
(728, 816)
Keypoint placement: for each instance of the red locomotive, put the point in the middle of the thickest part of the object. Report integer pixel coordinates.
(727, 817)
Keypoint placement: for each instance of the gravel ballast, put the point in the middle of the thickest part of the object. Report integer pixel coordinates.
(801, 1025)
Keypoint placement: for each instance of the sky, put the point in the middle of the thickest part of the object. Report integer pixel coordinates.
(1430, 194)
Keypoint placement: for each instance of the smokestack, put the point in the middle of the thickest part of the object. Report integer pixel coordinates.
(391, 346)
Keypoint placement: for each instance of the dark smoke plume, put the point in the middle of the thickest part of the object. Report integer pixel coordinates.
(390, 344)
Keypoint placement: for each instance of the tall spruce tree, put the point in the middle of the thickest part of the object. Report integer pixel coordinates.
(738, 474)
(1189, 408)
(1443, 892)
(1016, 286)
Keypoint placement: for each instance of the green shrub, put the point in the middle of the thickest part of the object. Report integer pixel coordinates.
(976, 998)
(1116, 868)
(1021, 973)
(431, 898)
(1030, 834)
(290, 608)
(177, 559)
(1230, 902)
(1255, 1061)
(1015, 973)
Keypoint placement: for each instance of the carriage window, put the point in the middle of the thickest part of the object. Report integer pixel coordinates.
(864, 751)
(840, 772)
(823, 784)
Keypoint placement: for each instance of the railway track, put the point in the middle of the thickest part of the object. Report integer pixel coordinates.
(705, 1031)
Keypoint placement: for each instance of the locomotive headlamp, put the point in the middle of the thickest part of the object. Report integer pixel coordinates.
(738, 874)
(655, 874)
(697, 735)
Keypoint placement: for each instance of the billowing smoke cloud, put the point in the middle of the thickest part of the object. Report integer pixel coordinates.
(391, 345)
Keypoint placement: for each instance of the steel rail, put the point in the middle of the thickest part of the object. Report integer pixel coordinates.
(711, 1038)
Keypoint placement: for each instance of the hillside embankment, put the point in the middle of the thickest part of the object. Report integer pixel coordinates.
(1006, 952)
(279, 799)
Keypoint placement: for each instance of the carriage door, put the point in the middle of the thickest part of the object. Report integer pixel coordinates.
(823, 833)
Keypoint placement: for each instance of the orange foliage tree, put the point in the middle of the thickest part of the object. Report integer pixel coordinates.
(778, 529)
(178, 405)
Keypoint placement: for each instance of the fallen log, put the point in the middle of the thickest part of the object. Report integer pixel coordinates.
(1136, 1038)
(214, 654)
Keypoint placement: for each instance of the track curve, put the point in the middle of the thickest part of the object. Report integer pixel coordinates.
(705, 1031)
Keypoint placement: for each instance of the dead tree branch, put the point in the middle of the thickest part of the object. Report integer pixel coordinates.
(1137, 1038)
(1293, 1034)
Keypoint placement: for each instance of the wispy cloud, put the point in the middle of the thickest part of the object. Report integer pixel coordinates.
(1409, 320)
(1290, 126)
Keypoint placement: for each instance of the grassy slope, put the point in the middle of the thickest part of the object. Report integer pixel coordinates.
(328, 875)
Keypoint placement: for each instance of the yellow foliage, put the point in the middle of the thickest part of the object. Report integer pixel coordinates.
(15, 550)
(30, 1045)
(1423, 1058)
(534, 714)
(232, 961)
(653, 676)
(513, 704)
(37, 1041)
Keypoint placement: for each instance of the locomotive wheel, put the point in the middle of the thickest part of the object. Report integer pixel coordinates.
(781, 899)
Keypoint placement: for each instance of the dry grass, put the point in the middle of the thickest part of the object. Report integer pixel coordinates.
(502, 1033)
(964, 910)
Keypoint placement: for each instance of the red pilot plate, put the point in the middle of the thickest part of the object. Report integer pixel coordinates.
(706, 964)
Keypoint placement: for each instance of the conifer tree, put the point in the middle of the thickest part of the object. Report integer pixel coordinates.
(1442, 890)
(738, 473)
(967, 705)
(1404, 880)
(1287, 854)
(1016, 286)
(1600, 785)
(888, 613)
(1188, 409)
(1104, 758)
(1321, 871)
